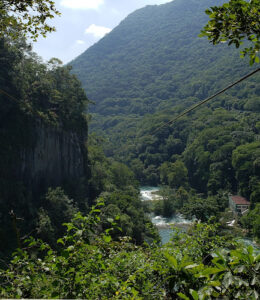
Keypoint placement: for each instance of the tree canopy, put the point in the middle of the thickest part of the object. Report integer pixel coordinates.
(234, 22)
(26, 17)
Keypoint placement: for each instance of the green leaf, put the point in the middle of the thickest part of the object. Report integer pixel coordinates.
(250, 250)
(55, 283)
(19, 292)
(182, 296)
(208, 12)
(228, 280)
(211, 271)
(241, 269)
(69, 226)
(70, 248)
(172, 260)
(253, 282)
(55, 295)
(65, 254)
(256, 294)
(194, 294)
(257, 266)
(107, 238)
(257, 258)
(79, 233)
(191, 266)
(60, 241)
(214, 283)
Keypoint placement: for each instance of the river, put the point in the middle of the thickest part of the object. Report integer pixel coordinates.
(149, 193)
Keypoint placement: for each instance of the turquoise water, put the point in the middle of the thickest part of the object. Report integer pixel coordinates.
(250, 242)
(165, 234)
(163, 224)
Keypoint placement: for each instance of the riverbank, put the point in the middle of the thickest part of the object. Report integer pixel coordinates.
(165, 226)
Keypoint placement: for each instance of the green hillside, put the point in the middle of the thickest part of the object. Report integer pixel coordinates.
(155, 59)
(74, 216)
(148, 70)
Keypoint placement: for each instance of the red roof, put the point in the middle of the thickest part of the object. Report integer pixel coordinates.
(239, 200)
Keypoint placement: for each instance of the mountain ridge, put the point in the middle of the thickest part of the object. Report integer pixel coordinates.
(162, 68)
(152, 61)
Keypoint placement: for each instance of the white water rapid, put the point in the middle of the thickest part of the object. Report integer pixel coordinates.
(149, 193)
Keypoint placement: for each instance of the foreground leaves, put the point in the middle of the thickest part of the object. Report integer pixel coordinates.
(234, 22)
(88, 265)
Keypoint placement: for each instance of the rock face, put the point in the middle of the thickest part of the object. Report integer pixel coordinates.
(55, 157)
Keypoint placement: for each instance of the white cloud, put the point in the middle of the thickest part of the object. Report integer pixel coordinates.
(82, 4)
(97, 31)
(80, 42)
(162, 1)
(115, 11)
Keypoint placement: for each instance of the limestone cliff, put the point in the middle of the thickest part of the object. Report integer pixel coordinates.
(56, 156)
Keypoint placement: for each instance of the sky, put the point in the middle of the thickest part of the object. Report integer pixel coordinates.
(82, 23)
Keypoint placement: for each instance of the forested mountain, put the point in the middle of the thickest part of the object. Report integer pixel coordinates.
(154, 59)
(148, 70)
(52, 173)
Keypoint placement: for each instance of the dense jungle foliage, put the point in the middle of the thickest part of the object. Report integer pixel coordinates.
(151, 68)
(33, 92)
(195, 265)
(212, 151)
(111, 250)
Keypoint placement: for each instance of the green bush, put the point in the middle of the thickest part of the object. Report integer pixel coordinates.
(88, 265)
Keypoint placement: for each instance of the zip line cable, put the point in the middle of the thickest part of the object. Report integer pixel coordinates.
(198, 104)
(204, 101)
(185, 111)
(8, 95)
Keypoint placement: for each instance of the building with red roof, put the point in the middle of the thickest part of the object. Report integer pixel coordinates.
(239, 205)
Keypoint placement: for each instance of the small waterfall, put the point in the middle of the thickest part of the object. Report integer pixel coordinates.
(164, 225)
(149, 193)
